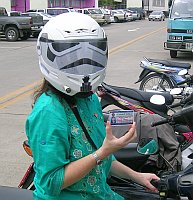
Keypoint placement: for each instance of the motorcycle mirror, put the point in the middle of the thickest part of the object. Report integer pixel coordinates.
(147, 146)
(157, 99)
(176, 91)
(183, 72)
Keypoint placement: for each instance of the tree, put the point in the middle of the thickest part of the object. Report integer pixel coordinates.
(106, 3)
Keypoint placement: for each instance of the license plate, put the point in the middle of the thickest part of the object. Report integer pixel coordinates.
(189, 45)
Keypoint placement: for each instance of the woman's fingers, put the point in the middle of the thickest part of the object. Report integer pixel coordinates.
(118, 143)
(130, 135)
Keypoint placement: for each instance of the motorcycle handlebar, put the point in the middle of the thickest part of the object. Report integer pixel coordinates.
(155, 183)
(183, 101)
(187, 99)
(163, 121)
(175, 105)
(187, 80)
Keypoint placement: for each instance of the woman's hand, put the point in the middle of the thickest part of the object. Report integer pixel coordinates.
(112, 144)
(145, 179)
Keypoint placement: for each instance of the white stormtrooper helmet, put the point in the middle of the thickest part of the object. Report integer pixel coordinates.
(73, 53)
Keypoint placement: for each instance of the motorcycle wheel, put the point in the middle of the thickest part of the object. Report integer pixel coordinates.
(155, 82)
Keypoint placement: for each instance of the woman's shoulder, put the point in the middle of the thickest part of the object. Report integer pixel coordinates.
(48, 102)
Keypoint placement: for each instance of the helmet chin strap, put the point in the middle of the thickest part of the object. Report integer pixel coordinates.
(85, 89)
(86, 85)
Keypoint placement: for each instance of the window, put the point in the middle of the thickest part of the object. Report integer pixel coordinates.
(13, 3)
(57, 3)
(86, 12)
(146, 2)
(159, 3)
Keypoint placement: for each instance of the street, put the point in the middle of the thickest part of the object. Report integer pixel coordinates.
(128, 43)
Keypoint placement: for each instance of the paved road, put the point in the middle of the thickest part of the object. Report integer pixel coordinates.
(128, 43)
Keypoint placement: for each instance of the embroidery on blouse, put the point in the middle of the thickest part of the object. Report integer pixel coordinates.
(75, 130)
(91, 180)
(77, 153)
(96, 189)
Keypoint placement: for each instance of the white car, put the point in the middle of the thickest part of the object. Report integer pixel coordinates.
(95, 13)
(135, 14)
(130, 16)
(156, 15)
(119, 15)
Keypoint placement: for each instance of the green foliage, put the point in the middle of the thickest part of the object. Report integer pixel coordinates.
(103, 3)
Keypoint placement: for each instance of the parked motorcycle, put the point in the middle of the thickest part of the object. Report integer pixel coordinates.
(161, 75)
(11, 193)
(133, 99)
(172, 185)
(140, 101)
(180, 183)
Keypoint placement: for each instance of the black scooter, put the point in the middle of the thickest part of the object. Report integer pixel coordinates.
(11, 193)
(172, 185)
(178, 184)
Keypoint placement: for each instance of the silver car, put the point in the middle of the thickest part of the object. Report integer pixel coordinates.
(156, 15)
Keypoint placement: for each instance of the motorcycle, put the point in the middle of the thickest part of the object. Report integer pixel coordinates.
(161, 75)
(172, 185)
(140, 101)
(11, 193)
(180, 183)
(133, 99)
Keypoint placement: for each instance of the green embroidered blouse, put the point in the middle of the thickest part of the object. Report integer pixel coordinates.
(57, 139)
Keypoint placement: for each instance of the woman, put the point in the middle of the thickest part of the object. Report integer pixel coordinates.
(72, 162)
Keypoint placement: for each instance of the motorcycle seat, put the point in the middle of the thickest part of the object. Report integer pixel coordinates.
(11, 193)
(171, 63)
(140, 95)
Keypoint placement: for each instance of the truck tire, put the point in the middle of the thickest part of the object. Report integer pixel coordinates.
(26, 36)
(173, 54)
(12, 34)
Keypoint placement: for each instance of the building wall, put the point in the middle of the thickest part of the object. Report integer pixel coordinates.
(38, 4)
(22, 5)
(152, 5)
(134, 3)
(6, 4)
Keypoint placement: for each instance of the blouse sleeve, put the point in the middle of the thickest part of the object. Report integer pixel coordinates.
(47, 132)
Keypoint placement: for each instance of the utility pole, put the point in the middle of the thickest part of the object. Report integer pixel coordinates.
(148, 8)
(25, 6)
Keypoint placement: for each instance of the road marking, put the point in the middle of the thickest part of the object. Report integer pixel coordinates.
(116, 49)
(16, 99)
(132, 30)
(17, 95)
(26, 91)
(10, 47)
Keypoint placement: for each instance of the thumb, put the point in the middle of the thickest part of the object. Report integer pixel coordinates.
(108, 128)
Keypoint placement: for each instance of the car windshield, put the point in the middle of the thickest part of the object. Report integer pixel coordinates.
(57, 11)
(182, 9)
(95, 11)
(46, 15)
(120, 11)
(156, 13)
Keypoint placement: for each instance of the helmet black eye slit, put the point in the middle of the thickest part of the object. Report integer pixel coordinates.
(50, 55)
(59, 47)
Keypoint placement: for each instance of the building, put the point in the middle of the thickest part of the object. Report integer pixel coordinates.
(134, 3)
(151, 5)
(24, 5)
